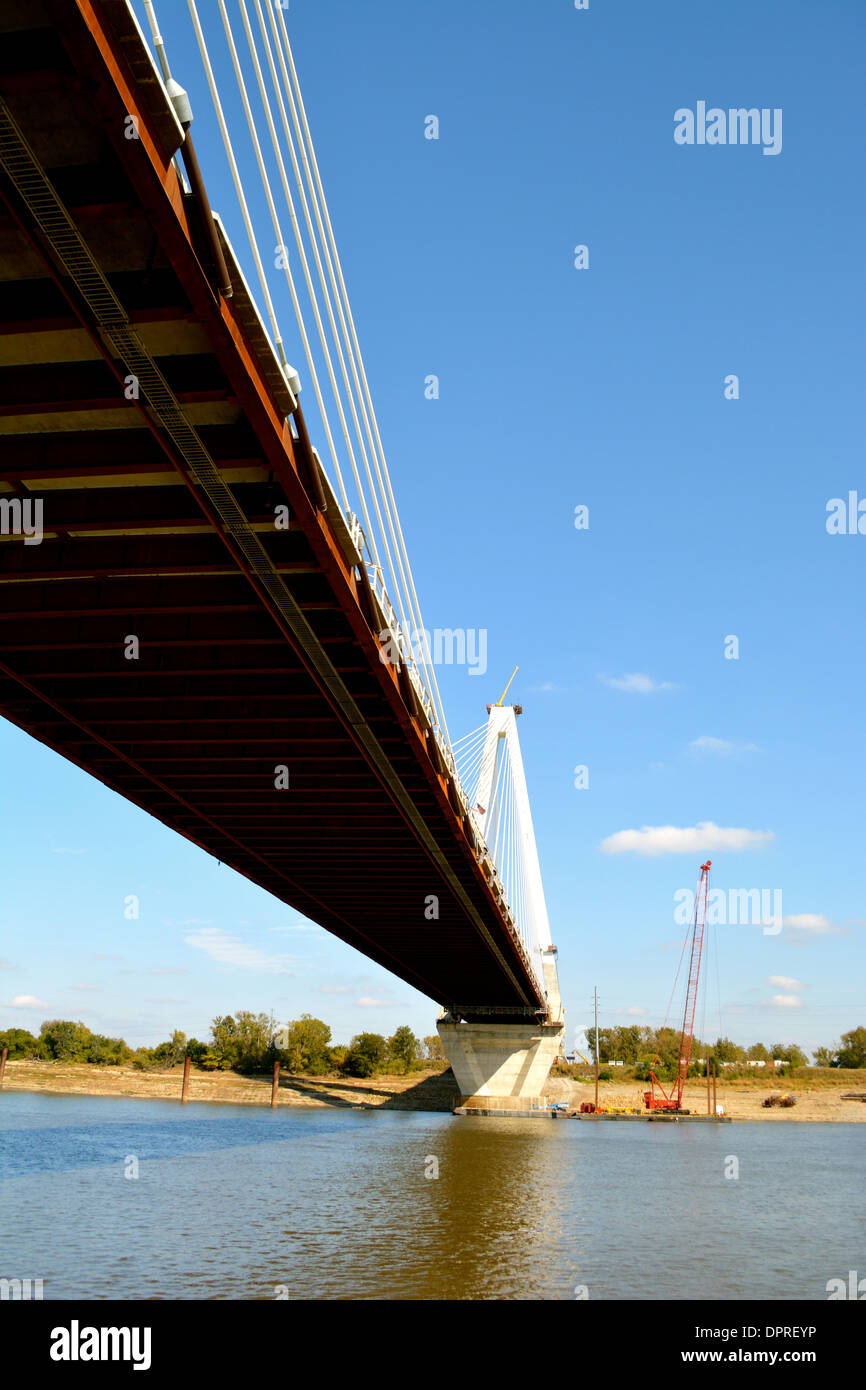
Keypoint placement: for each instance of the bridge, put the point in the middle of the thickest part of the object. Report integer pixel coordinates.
(191, 609)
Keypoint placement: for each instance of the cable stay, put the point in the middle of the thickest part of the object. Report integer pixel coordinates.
(265, 133)
(258, 111)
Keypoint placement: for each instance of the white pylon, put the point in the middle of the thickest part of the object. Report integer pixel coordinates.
(502, 743)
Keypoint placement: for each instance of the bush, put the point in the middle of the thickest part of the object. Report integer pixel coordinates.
(21, 1044)
(107, 1052)
(366, 1054)
(307, 1045)
(62, 1040)
(357, 1064)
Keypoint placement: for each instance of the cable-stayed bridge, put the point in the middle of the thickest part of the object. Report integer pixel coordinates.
(195, 606)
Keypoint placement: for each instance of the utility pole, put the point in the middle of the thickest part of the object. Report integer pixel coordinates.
(595, 1000)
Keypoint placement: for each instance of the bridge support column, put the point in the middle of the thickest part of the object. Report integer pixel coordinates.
(500, 1066)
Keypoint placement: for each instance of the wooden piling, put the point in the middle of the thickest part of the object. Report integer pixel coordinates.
(275, 1085)
(184, 1095)
(3, 1055)
(714, 1087)
(709, 1102)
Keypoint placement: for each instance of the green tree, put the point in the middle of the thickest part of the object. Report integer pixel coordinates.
(852, 1052)
(197, 1051)
(224, 1050)
(629, 1044)
(62, 1040)
(107, 1052)
(169, 1054)
(433, 1049)
(790, 1053)
(366, 1053)
(256, 1043)
(403, 1047)
(759, 1053)
(826, 1056)
(243, 1042)
(307, 1045)
(723, 1050)
(20, 1043)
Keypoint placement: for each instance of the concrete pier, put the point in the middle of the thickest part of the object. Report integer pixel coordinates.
(500, 1066)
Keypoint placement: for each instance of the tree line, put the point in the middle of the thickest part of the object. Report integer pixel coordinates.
(250, 1042)
(638, 1046)
(244, 1042)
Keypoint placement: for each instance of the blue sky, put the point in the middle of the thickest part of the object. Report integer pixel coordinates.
(560, 387)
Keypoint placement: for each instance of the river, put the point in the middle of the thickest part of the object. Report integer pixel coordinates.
(107, 1198)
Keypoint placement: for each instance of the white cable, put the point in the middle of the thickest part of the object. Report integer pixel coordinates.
(289, 201)
(251, 43)
(402, 544)
(401, 578)
(278, 233)
(301, 144)
(245, 213)
(401, 590)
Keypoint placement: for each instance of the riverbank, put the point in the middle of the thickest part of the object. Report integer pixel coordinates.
(818, 1101)
(434, 1090)
(419, 1090)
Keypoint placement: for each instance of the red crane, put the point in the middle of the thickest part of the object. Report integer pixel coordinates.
(674, 1101)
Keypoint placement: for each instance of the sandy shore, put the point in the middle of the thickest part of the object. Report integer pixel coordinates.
(432, 1090)
(819, 1101)
(742, 1100)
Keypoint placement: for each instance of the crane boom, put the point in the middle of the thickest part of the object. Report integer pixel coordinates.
(670, 1101)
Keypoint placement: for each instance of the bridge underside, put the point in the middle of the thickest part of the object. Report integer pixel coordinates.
(255, 646)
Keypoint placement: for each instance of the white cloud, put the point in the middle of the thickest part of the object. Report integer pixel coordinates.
(786, 1001)
(636, 683)
(91, 989)
(366, 1002)
(301, 925)
(230, 950)
(691, 839)
(27, 1001)
(808, 921)
(335, 989)
(707, 744)
(545, 688)
(69, 851)
(784, 982)
(634, 1012)
(7, 964)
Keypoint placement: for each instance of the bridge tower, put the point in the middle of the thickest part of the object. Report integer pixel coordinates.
(504, 1065)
